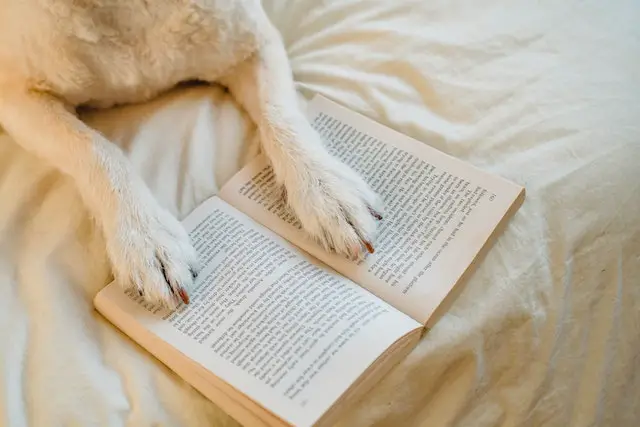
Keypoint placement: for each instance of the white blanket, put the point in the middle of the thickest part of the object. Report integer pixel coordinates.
(546, 332)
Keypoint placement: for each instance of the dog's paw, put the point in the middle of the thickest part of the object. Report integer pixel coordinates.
(336, 207)
(151, 252)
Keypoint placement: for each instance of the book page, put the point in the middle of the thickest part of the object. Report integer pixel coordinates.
(439, 212)
(272, 322)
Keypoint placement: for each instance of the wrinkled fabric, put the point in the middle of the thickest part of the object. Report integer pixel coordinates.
(545, 333)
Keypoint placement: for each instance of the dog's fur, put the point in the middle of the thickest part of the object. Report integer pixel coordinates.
(58, 55)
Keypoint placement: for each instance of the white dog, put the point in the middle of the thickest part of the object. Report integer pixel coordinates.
(58, 55)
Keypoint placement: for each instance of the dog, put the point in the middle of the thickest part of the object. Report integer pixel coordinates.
(57, 56)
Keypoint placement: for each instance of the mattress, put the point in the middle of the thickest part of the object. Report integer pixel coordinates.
(545, 333)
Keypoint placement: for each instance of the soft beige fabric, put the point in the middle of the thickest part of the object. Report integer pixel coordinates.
(546, 333)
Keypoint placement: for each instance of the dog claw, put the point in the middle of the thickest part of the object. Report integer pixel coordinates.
(365, 242)
(375, 214)
(369, 246)
(184, 296)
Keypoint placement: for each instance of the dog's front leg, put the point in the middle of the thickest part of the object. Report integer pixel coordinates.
(147, 246)
(334, 205)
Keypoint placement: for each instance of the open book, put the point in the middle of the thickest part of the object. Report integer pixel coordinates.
(280, 332)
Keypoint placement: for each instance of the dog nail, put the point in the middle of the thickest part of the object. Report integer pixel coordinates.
(193, 273)
(375, 214)
(368, 246)
(140, 292)
(183, 295)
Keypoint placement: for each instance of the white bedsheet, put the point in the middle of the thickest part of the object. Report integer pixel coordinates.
(546, 333)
